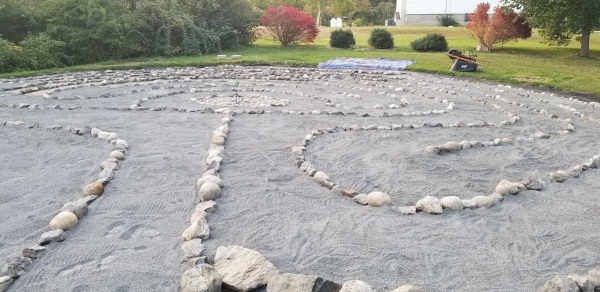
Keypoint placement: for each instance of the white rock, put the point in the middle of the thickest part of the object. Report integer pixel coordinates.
(408, 210)
(198, 229)
(207, 206)
(243, 269)
(203, 278)
(407, 288)
(321, 177)
(452, 146)
(483, 202)
(360, 199)
(94, 132)
(560, 284)
(356, 286)
(78, 208)
(196, 215)
(429, 204)
(453, 203)
(432, 150)
(209, 191)
(192, 248)
(559, 176)
(121, 143)
(505, 188)
(209, 178)
(378, 199)
(63, 220)
(5, 283)
(117, 155)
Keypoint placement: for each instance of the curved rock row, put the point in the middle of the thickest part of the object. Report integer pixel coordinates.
(241, 269)
(72, 211)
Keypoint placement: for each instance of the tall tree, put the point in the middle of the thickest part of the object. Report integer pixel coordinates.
(559, 20)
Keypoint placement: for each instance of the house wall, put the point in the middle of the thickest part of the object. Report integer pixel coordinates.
(426, 12)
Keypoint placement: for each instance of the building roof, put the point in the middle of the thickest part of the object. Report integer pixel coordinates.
(439, 6)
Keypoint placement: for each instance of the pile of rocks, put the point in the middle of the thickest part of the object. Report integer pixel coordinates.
(236, 100)
(574, 283)
(72, 211)
(237, 268)
(209, 188)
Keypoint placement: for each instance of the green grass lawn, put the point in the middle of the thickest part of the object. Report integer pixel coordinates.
(526, 62)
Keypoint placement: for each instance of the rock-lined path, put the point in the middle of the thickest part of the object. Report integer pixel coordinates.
(281, 157)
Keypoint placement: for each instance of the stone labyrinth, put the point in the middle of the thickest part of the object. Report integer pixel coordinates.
(295, 179)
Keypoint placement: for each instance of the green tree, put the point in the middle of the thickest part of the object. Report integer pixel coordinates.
(18, 20)
(559, 20)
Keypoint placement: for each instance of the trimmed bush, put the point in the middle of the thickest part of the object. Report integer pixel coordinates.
(289, 25)
(448, 20)
(342, 39)
(381, 39)
(431, 42)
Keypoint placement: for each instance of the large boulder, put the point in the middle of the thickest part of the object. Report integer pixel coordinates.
(243, 269)
(301, 283)
(201, 278)
(429, 204)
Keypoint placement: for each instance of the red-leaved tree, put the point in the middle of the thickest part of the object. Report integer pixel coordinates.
(289, 25)
(504, 25)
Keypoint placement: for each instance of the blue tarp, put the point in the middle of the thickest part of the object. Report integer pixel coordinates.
(366, 64)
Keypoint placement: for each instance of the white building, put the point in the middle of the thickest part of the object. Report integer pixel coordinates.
(427, 12)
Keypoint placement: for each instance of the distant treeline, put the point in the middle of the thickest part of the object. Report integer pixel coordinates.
(39, 34)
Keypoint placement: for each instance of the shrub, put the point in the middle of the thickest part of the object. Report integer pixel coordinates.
(431, 42)
(448, 20)
(342, 39)
(289, 25)
(9, 53)
(358, 22)
(381, 39)
(42, 52)
(503, 26)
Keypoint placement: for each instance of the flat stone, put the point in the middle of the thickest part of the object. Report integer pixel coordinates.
(88, 199)
(356, 286)
(207, 206)
(203, 277)
(15, 267)
(453, 203)
(34, 252)
(5, 282)
(243, 269)
(409, 210)
(349, 193)
(360, 199)
(78, 208)
(192, 248)
(378, 199)
(198, 229)
(429, 204)
(301, 283)
(407, 288)
(63, 220)
(57, 235)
